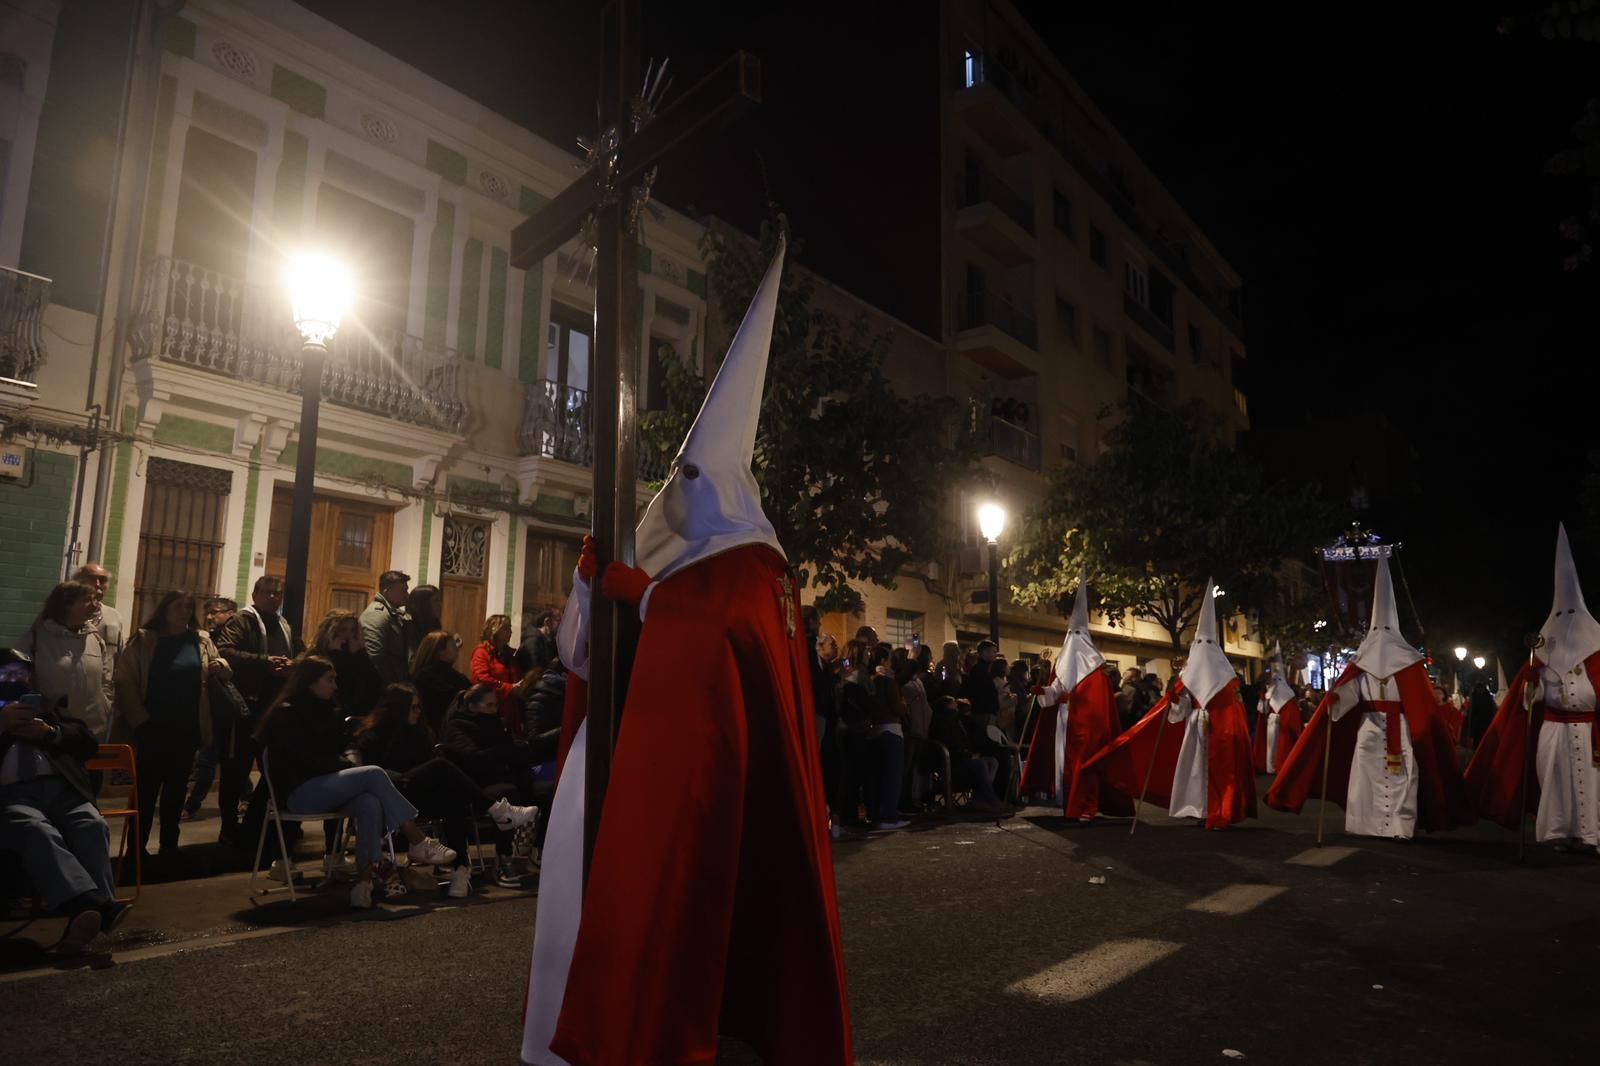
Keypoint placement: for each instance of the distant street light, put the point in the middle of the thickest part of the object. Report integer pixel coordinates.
(1479, 661)
(1461, 653)
(320, 293)
(992, 523)
(1218, 593)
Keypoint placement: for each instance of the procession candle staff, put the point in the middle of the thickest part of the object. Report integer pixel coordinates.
(1546, 764)
(1202, 771)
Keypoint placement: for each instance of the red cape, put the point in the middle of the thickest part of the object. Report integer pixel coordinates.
(1495, 774)
(1290, 725)
(1091, 725)
(1441, 796)
(1232, 787)
(710, 906)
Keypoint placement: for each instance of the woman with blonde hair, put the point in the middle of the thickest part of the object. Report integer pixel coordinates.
(339, 641)
(494, 663)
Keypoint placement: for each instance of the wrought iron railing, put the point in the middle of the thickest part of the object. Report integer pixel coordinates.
(987, 309)
(23, 298)
(208, 320)
(557, 424)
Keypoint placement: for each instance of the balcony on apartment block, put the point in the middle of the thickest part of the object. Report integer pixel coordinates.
(23, 299)
(557, 423)
(995, 217)
(200, 318)
(1004, 439)
(995, 334)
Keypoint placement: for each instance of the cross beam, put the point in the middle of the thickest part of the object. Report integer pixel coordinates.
(729, 91)
(721, 96)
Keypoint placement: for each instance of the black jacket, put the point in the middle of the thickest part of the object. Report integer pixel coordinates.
(359, 683)
(239, 641)
(66, 751)
(303, 740)
(545, 703)
(397, 750)
(481, 745)
(437, 685)
(978, 689)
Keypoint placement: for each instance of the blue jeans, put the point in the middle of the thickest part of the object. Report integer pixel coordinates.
(63, 840)
(364, 793)
(883, 802)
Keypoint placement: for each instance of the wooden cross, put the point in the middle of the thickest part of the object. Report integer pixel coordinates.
(603, 192)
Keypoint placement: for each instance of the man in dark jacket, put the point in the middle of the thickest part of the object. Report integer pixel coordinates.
(50, 818)
(260, 646)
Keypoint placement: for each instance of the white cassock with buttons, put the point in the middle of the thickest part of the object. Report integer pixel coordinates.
(1569, 784)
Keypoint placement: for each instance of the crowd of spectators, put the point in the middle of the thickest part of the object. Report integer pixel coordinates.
(374, 720)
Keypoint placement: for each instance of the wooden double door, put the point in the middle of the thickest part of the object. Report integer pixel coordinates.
(350, 546)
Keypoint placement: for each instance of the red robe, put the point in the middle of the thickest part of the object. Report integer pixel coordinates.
(1231, 787)
(1290, 725)
(1441, 796)
(1091, 725)
(710, 905)
(1495, 774)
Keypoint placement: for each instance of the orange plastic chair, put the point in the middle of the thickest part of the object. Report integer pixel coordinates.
(120, 757)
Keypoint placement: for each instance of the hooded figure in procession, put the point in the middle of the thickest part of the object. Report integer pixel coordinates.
(710, 904)
(1083, 722)
(1392, 765)
(1194, 745)
(1278, 721)
(1558, 690)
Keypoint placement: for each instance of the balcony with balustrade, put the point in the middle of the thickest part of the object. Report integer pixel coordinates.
(23, 299)
(557, 423)
(998, 335)
(995, 217)
(1004, 439)
(195, 317)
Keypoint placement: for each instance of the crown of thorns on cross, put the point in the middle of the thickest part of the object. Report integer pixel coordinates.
(601, 153)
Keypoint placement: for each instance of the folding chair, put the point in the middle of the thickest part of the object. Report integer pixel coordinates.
(276, 816)
(120, 757)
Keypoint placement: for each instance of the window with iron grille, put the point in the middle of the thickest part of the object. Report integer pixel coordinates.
(901, 626)
(180, 535)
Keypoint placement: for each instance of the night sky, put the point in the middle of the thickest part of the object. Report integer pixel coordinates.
(1374, 172)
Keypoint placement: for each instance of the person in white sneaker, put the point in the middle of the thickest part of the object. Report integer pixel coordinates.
(475, 739)
(303, 737)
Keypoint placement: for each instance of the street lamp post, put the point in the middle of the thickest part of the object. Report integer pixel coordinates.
(319, 294)
(991, 523)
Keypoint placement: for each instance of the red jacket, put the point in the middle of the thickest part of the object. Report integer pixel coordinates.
(503, 674)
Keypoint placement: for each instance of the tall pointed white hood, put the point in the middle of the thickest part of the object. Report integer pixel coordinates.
(1384, 652)
(711, 502)
(1571, 633)
(1281, 693)
(1079, 658)
(1207, 671)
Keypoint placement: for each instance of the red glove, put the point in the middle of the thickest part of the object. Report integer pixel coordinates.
(624, 583)
(1038, 690)
(588, 562)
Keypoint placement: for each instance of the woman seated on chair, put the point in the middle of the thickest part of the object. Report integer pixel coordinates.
(303, 738)
(394, 737)
(475, 738)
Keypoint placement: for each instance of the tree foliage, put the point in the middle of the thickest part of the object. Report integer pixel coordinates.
(851, 473)
(1168, 506)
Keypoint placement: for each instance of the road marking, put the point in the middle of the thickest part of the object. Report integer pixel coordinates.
(1236, 899)
(1321, 856)
(141, 954)
(1091, 972)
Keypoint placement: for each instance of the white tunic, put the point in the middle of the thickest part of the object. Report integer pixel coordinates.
(555, 924)
(1272, 741)
(1379, 803)
(1190, 781)
(1569, 784)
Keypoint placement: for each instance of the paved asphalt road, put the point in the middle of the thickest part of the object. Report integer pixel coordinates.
(969, 943)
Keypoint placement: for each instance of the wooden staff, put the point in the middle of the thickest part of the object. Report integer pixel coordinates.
(1150, 769)
(1533, 641)
(1327, 753)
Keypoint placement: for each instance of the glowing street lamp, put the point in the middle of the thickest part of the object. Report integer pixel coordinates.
(1479, 661)
(320, 294)
(992, 523)
(1461, 654)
